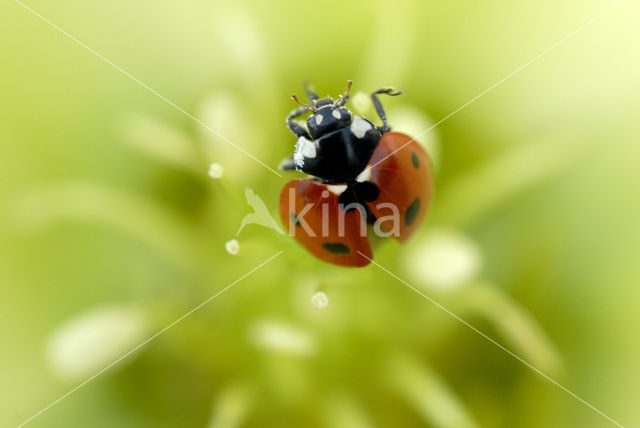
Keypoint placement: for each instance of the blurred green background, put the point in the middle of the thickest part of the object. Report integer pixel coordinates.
(110, 228)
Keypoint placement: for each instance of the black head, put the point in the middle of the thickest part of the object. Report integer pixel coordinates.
(327, 114)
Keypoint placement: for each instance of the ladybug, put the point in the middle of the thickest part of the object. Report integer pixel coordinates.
(364, 179)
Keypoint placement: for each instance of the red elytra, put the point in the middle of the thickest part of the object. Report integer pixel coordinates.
(400, 169)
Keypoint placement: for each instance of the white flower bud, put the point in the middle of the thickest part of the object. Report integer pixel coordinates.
(281, 337)
(361, 103)
(232, 247)
(224, 113)
(413, 122)
(90, 341)
(444, 259)
(216, 170)
(155, 138)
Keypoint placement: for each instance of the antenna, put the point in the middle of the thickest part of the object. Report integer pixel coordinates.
(295, 98)
(344, 97)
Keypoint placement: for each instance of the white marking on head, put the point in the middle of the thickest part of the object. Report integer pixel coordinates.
(319, 118)
(336, 114)
(305, 149)
(359, 127)
(364, 175)
(336, 188)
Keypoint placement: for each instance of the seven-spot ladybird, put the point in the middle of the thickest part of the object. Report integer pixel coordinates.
(365, 179)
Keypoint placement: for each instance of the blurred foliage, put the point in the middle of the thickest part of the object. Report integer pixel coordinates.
(111, 228)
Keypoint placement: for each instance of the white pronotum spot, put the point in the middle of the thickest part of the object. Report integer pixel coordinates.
(319, 119)
(336, 188)
(359, 126)
(304, 149)
(364, 175)
(336, 114)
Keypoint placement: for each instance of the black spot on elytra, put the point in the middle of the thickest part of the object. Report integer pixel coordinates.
(412, 212)
(415, 160)
(336, 248)
(294, 218)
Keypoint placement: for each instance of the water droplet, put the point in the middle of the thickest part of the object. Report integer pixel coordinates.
(319, 300)
(232, 247)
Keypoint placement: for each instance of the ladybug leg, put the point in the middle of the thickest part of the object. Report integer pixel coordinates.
(287, 164)
(378, 105)
(297, 129)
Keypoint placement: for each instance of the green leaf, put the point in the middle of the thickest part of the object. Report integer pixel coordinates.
(132, 214)
(522, 333)
(483, 188)
(161, 141)
(427, 393)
